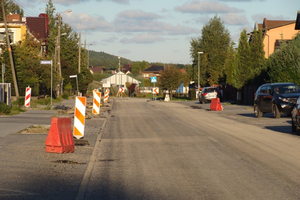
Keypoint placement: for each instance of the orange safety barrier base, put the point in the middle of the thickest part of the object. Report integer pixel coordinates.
(215, 105)
(60, 137)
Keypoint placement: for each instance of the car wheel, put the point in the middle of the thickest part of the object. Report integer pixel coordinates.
(257, 111)
(275, 111)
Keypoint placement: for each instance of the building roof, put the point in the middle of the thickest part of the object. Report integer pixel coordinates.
(38, 27)
(126, 68)
(269, 24)
(154, 68)
(96, 70)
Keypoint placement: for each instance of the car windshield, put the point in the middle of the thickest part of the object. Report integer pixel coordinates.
(211, 90)
(285, 89)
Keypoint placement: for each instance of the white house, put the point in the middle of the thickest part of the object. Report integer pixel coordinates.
(119, 79)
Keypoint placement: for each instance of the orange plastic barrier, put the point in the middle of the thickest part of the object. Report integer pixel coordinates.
(60, 138)
(215, 105)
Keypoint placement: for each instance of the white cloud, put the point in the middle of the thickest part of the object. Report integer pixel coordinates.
(143, 38)
(234, 19)
(204, 7)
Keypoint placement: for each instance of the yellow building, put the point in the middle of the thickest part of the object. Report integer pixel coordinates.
(275, 31)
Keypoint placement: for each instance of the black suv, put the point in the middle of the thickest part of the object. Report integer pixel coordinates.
(275, 98)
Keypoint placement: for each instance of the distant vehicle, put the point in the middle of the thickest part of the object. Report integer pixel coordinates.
(208, 93)
(276, 98)
(296, 117)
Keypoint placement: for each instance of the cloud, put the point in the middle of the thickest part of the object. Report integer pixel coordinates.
(260, 17)
(109, 40)
(143, 38)
(204, 7)
(97, 22)
(140, 21)
(234, 19)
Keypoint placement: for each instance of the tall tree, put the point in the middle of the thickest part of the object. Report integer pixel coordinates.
(257, 53)
(170, 78)
(214, 43)
(229, 63)
(242, 72)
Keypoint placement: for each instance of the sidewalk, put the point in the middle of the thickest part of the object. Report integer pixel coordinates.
(28, 172)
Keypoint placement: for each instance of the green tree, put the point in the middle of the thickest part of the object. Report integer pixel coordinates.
(170, 79)
(214, 42)
(27, 56)
(242, 73)
(229, 63)
(138, 67)
(11, 7)
(284, 64)
(257, 53)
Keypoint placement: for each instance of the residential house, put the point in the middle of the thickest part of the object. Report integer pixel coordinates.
(96, 70)
(126, 69)
(119, 79)
(17, 28)
(152, 71)
(275, 31)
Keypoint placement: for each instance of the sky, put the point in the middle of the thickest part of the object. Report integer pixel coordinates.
(158, 30)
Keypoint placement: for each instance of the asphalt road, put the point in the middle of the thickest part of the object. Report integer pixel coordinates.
(159, 150)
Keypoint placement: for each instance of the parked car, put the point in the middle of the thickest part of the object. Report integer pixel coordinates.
(276, 98)
(208, 93)
(296, 117)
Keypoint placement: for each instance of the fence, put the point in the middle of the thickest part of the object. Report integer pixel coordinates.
(5, 93)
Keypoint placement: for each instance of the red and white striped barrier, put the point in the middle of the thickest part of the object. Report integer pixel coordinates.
(27, 96)
(106, 95)
(96, 102)
(79, 117)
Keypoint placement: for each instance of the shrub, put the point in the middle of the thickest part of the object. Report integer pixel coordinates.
(65, 95)
(4, 109)
(192, 94)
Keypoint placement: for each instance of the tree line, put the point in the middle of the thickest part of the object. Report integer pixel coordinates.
(27, 55)
(224, 63)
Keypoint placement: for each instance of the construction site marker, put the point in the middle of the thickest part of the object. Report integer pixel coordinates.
(27, 96)
(96, 102)
(79, 117)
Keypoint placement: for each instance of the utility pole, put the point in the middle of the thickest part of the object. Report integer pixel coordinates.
(10, 53)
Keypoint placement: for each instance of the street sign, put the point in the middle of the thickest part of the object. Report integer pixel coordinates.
(155, 90)
(46, 62)
(153, 79)
(73, 76)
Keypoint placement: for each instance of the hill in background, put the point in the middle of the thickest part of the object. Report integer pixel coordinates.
(102, 59)
(111, 62)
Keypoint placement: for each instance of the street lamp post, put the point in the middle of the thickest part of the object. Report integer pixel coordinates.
(58, 40)
(85, 36)
(199, 70)
(58, 49)
(88, 60)
(79, 54)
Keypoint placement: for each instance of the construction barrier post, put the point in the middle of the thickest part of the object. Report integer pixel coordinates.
(215, 105)
(96, 102)
(79, 117)
(60, 139)
(27, 96)
(106, 95)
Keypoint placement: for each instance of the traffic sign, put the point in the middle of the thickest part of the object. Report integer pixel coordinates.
(46, 62)
(153, 79)
(155, 90)
(121, 90)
